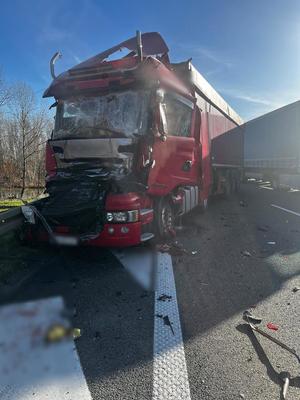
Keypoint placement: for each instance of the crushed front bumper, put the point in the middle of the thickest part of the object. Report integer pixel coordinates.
(112, 235)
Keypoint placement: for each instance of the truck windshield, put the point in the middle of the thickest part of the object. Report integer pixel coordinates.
(122, 114)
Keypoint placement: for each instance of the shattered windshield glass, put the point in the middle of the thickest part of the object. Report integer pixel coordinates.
(122, 114)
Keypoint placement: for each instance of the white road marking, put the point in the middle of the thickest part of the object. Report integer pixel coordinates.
(30, 369)
(286, 210)
(170, 378)
(266, 187)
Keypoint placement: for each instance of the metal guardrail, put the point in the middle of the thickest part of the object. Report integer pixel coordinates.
(10, 220)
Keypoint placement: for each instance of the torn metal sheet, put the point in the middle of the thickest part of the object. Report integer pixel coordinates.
(153, 44)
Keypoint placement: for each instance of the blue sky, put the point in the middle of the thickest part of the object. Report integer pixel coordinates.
(248, 50)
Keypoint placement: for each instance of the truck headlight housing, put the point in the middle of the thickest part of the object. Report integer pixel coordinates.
(122, 216)
(28, 214)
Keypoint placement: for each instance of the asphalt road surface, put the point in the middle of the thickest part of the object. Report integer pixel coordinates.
(243, 252)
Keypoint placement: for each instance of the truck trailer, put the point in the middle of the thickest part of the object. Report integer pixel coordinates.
(272, 147)
(138, 142)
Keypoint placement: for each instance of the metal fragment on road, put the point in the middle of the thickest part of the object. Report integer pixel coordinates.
(285, 376)
(247, 315)
(170, 378)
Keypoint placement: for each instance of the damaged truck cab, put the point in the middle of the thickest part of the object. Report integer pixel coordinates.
(126, 153)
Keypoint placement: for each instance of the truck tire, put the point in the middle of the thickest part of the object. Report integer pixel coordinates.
(203, 206)
(275, 183)
(228, 185)
(164, 218)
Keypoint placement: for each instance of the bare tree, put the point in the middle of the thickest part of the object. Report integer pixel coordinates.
(27, 126)
(4, 90)
(4, 97)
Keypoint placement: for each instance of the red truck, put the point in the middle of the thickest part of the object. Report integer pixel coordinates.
(137, 142)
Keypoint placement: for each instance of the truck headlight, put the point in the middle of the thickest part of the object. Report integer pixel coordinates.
(109, 217)
(122, 216)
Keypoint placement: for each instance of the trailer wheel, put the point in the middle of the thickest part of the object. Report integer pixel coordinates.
(165, 220)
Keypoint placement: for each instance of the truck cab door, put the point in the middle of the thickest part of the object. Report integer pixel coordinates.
(175, 152)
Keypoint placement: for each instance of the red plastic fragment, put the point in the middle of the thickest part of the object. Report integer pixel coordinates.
(272, 326)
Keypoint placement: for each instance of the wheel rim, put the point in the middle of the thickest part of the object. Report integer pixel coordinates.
(166, 219)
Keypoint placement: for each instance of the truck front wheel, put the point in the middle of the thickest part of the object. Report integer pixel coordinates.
(164, 216)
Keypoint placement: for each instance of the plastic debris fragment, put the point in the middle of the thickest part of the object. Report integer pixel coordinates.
(272, 326)
(58, 332)
(76, 332)
(246, 253)
(164, 297)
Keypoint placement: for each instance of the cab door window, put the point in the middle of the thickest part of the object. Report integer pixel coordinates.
(178, 112)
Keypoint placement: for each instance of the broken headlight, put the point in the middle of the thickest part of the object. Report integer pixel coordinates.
(122, 216)
(28, 214)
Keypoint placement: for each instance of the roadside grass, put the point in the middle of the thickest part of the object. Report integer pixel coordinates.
(7, 204)
(14, 258)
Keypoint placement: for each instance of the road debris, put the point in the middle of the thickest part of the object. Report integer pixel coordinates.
(263, 228)
(271, 243)
(164, 297)
(175, 249)
(76, 332)
(166, 320)
(163, 247)
(247, 315)
(242, 396)
(285, 376)
(246, 253)
(255, 328)
(194, 252)
(272, 326)
(296, 289)
(58, 332)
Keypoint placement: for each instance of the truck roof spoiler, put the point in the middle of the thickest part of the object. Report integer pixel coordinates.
(152, 42)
